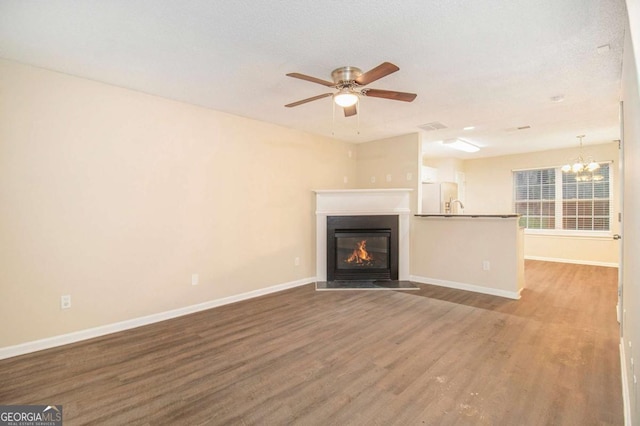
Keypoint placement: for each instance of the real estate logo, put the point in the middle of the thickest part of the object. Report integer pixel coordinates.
(30, 415)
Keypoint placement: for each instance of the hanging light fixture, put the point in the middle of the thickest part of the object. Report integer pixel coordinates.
(580, 166)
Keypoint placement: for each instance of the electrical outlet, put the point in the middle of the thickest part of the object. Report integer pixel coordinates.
(296, 261)
(65, 301)
(486, 265)
(388, 178)
(195, 278)
(345, 179)
(409, 176)
(373, 179)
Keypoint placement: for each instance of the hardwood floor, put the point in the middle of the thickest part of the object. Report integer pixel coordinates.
(436, 356)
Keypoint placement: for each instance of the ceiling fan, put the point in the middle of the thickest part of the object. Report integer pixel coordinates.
(349, 82)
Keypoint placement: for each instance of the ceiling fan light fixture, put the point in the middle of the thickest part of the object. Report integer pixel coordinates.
(345, 99)
(350, 82)
(460, 145)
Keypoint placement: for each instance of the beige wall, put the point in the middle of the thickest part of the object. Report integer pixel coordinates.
(451, 252)
(395, 158)
(115, 198)
(631, 232)
(447, 167)
(489, 189)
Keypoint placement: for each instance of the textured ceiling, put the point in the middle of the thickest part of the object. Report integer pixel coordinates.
(492, 64)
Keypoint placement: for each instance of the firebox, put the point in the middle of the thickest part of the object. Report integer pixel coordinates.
(362, 248)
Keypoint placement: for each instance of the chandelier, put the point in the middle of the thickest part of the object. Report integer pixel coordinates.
(582, 169)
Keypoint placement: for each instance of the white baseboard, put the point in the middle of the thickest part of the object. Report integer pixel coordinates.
(90, 333)
(625, 386)
(574, 261)
(467, 287)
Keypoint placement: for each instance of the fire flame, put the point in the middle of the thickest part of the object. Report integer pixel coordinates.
(360, 253)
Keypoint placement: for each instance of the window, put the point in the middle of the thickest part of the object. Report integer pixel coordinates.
(535, 195)
(585, 202)
(550, 199)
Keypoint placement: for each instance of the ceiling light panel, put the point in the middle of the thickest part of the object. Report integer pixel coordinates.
(460, 145)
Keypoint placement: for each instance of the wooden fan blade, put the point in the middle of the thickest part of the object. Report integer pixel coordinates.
(304, 101)
(389, 94)
(350, 111)
(382, 70)
(311, 79)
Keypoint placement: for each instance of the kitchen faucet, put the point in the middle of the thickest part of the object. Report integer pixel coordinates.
(449, 205)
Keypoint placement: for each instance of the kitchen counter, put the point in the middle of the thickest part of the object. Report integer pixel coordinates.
(503, 216)
(481, 253)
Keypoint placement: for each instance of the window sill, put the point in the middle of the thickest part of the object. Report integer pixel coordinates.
(600, 235)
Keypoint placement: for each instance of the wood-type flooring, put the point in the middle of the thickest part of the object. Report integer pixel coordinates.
(435, 356)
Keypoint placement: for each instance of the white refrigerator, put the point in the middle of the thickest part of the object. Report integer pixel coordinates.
(434, 195)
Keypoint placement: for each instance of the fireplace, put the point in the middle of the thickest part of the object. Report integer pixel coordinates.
(362, 202)
(362, 248)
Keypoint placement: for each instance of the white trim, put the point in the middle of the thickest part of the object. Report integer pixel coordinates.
(570, 233)
(374, 212)
(360, 191)
(468, 287)
(90, 333)
(626, 402)
(553, 167)
(573, 261)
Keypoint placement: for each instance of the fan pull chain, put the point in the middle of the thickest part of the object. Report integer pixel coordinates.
(358, 115)
(333, 119)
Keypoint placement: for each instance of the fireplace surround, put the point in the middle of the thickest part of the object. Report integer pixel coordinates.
(363, 202)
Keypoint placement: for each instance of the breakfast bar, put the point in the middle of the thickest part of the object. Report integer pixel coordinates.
(476, 252)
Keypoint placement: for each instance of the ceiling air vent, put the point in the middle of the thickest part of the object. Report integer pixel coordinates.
(434, 125)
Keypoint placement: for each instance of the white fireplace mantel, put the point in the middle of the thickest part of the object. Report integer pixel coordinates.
(356, 202)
